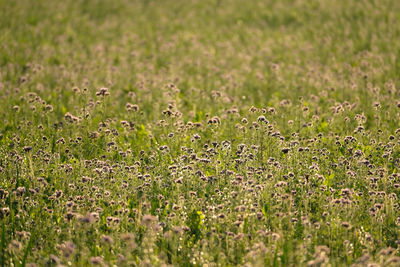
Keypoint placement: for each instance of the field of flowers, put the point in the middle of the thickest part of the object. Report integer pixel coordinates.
(199, 133)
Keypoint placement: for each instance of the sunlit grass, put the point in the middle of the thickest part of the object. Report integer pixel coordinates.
(199, 133)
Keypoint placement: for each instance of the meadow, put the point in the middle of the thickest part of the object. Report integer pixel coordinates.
(199, 133)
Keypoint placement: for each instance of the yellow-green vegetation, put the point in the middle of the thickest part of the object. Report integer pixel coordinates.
(199, 133)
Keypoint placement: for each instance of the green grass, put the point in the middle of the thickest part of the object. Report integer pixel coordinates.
(256, 133)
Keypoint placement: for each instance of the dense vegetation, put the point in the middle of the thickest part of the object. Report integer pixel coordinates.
(199, 133)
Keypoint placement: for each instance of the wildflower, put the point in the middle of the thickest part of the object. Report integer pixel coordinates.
(103, 92)
(132, 107)
(21, 190)
(285, 150)
(179, 180)
(48, 108)
(196, 136)
(280, 184)
(127, 237)
(27, 148)
(253, 109)
(239, 236)
(214, 120)
(148, 220)
(275, 236)
(15, 245)
(262, 119)
(96, 260)
(346, 225)
(237, 223)
(177, 230)
(23, 234)
(71, 118)
(105, 239)
(240, 208)
(67, 248)
(54, 259)
(88, 218)
(363, 259)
